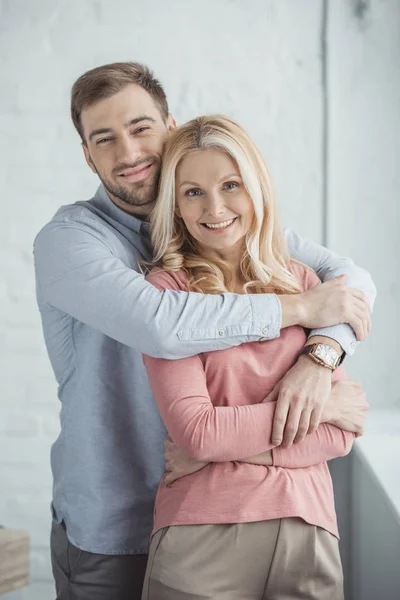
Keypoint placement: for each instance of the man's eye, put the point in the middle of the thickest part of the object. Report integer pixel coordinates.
(230, 185)
(141, 129)
(193, 192)
(103, 140)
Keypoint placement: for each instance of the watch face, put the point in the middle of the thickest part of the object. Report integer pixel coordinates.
(327, 354)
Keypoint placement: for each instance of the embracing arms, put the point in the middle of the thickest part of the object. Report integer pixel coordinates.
(79, 273)
(207, 432)
(344, 418)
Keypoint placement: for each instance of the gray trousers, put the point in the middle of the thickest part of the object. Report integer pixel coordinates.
(81, 575)
(280, 559)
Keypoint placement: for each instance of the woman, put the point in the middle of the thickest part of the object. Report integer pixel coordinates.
(250, 520)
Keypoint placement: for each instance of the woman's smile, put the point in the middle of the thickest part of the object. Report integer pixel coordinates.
(220, 227)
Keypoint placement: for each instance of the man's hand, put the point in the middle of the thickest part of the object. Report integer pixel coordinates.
(179, 463)
(301, 396)
(346, 407)
(326, 305)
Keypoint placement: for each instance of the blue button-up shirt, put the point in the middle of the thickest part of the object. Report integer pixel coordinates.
(99, 314)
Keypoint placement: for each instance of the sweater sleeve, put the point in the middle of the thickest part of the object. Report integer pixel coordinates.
(326, 443)
(206, 432)
(222, 433)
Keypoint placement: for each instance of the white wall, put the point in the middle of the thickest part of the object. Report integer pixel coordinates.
(259, 62)
(364, 171)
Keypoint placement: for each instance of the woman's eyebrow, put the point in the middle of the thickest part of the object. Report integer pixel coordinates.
(189, 183)
(219, 181)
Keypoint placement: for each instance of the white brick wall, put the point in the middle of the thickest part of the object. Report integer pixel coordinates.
(258, 61)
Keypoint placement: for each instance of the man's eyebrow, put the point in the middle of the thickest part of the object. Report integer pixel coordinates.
(99, 131)
(138, 119)
(127, 124)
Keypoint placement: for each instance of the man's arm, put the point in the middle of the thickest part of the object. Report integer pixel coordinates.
(77, 273)
(329, 265)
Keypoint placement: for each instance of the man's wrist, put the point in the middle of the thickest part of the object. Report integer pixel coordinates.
(293, 309)
(309, 362)
(321, 339)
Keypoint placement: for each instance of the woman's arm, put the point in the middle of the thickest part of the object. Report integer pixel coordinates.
(206, 432)
(344, 418)
(326, 443)
(227, 433)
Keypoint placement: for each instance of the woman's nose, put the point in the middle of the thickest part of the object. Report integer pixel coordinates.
(215, 205)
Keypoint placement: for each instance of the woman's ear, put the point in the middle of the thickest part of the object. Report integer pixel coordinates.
(177, 211)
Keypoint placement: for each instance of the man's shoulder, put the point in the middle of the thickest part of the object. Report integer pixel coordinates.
(168, 280)
(83, 211)
(80, 216)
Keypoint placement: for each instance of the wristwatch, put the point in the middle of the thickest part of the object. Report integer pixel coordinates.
(323, 354)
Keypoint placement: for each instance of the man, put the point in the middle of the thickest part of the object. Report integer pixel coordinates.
(99, 315)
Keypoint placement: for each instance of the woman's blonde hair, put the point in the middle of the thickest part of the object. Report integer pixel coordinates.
(265, 261)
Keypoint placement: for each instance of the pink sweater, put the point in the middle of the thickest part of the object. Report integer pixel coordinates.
(212, 407)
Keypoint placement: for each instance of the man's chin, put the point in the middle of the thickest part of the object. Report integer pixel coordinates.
(129, 197)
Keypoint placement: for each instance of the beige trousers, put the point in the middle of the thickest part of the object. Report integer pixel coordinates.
(280, 559)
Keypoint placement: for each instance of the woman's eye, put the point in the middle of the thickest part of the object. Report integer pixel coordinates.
(230, 185)
(193, 192)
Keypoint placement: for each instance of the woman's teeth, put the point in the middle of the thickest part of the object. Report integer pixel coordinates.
(219, 225)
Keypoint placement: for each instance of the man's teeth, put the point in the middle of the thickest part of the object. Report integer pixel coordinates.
(219, 225)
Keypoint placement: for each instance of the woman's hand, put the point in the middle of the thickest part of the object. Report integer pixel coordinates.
(346, 407)
(179, 463)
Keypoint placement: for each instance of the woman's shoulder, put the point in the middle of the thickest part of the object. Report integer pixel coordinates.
(306, 276)
(168, 280)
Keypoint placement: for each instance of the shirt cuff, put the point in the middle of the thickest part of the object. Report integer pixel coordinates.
(342, 333)
(267, 315)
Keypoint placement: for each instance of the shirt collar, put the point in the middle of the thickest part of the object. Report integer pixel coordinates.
(104, 203)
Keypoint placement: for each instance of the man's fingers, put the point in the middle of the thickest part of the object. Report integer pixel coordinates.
(292, 425)
(281, 412)
(357, 323)
(304, 424)
(315, 418)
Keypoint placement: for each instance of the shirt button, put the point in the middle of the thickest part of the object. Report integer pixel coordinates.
(263, 340)
(353, 344)
(265, 331)
(221, 332)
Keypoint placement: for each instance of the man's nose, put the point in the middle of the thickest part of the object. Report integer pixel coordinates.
(128, 149)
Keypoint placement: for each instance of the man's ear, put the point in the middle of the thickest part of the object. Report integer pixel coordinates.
(171, 123)
(88, 158)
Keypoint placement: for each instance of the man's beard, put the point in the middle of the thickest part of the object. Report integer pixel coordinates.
(142, 193)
